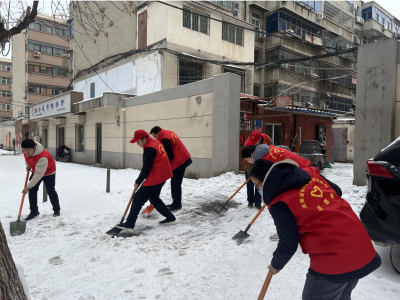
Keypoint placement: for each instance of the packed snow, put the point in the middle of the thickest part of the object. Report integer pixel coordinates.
(72, 257)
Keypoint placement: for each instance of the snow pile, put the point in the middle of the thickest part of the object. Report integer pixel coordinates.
(71, 257)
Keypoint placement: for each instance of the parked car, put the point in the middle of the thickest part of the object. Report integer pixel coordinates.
(381, 212)
(313, 151)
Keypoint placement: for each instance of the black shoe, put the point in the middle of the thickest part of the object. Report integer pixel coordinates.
(168, 222)
(250, 205)
(126, 226)
(174, 208)
(32, 215)
(56, 213)
(258, 206)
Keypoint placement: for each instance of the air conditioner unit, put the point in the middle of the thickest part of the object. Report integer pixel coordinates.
(24, 96)
(384, 27)
(37, 54)
(356, 40)
(359, 20)
(353, 6)
(320, 16)
(285, 66)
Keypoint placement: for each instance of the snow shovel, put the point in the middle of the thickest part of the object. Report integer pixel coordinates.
(265, 285)
(242, 235)
(147, 211)
(328, 165)
(115, 231)
(18, 227)
(221, 208)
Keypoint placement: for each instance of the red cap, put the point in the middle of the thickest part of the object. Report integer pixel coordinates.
(139, 134)
(255, 136)
(266, 138)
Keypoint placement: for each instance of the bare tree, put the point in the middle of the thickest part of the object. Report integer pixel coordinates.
(10, 285)
(5, 32)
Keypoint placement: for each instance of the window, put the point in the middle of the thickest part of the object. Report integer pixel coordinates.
(80, 138)
(70, 28)
(195, 21)
(228, 4)
(45, 138)
(35, 88)
(375, 13)
(190, 71)
(46, 69)
(236, 11)
(338, 16)
(256, 90)
(5, 94)
(274, 131)
(92, 90)
(255, 19)
(5, 67)
(45, 47)
(257, 55)
(312, 5)
(270, 91)
(40, 25)
(5, 80)
(232, 34)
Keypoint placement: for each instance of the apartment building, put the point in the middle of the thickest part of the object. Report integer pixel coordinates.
(5, 89)
(40, 64)
(188, 38)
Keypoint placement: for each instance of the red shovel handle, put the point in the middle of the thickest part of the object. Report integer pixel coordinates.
(265, 285)
(238, 190)
(23, 195)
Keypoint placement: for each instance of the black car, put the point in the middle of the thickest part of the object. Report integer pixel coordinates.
(381, 212)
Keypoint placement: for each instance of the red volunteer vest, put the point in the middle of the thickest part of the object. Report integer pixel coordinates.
(161, 169)
(32, 160)
(180, 152)
(330, 231)
(276, 154)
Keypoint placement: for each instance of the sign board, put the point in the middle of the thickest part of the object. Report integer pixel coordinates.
(52, 107)
(283, 101)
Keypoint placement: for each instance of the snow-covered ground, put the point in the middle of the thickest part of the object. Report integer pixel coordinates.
(71, 257)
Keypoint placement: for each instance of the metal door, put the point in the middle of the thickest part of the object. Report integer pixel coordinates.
(339, 144)
(98, 143)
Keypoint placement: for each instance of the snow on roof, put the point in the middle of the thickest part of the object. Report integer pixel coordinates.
(192, 56)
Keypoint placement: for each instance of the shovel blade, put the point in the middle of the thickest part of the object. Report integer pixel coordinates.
(241, 236)
(114, 231)
(220, 209)
(147, 211)
(17, 228)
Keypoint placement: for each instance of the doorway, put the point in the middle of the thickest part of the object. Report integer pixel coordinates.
(60, 136)
(274, 131)
(98, 143)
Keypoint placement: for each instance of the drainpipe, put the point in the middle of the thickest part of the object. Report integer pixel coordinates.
(245, 10)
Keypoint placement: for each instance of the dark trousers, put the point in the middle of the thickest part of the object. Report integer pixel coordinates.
(318, 288)
(176, 186)
(151, 193)
(253, 196)
(50, 182)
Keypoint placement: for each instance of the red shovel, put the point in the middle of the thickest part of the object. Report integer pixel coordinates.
(147, 211)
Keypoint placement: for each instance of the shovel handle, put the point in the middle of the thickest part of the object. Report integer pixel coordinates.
(259, 212)
(129, 204)
(238, 190)
(23, 195)
(265, 285)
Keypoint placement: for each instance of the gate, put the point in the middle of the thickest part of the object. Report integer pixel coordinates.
(339, 144)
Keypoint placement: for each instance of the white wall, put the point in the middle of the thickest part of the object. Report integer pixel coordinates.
(139, 78)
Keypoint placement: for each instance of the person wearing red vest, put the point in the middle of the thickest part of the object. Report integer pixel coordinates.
(308, 211)
(43, 169)
(179, 158)
(155, 172)
(253, 197)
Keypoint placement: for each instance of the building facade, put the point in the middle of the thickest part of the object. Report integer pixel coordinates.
(165, 46)
(40, 65)
(5, 89)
